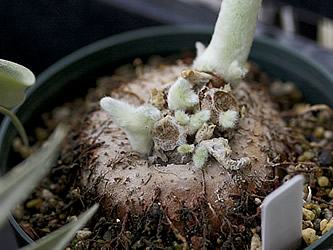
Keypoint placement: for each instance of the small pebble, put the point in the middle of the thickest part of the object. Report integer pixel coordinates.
(323, 224)
(314, 208)
(327, 214)
(325, 157)
(328, 134)
(308, 215)
(306, 156)
(80, 245)
(323, 181)
(298, 149)
(319, 132)
(316, 224)
(255, 242)
(306, 224)
(35, 203)
(330, 194)
(83, 234)
(257, 201)
(46, 194)
(328, 227)
(309, 236)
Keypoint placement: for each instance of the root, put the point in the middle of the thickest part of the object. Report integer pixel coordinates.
(176, 233)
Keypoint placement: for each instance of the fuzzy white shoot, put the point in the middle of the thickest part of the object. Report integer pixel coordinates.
(200, 157)
(228, 119)
(182, 118)
(197, 120)
(136, 121)
(230, 46)
(181, 95)
(185, 149)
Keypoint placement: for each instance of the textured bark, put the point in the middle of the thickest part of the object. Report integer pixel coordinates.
(127, 182)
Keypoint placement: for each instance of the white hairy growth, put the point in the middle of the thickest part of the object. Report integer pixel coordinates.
(136, 121)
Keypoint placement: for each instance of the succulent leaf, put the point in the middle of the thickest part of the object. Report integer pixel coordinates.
(16, 185)
(136, 121)
(14, 79)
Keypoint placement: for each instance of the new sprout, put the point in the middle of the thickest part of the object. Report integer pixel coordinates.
(181, 95)
(228, 119)
(200, 157)
(182, 118)
(136, 121)
(197, 120)
(185, 149)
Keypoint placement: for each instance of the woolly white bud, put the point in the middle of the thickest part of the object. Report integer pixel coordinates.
(197, 120)
(228, 119)
(185, 149)
(136, 121)
(200, 157)
(181, 96)
(182, 118)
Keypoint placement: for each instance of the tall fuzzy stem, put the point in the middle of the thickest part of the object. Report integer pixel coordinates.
(229, 48)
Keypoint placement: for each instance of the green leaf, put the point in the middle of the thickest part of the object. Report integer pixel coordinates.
(60, 238)
(16, 185)
(14, 79)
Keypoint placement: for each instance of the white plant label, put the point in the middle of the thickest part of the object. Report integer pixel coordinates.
(281, 217)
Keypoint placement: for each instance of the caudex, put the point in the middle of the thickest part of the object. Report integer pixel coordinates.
(191, 108)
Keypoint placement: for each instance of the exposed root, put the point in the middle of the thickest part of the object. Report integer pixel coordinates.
(177, 234)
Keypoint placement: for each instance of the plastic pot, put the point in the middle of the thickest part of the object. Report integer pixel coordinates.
(74, 74)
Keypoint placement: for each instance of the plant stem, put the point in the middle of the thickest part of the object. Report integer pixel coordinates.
(17, 124)
(229, 48)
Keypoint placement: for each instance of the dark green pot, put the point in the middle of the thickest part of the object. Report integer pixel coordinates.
(73, 75)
